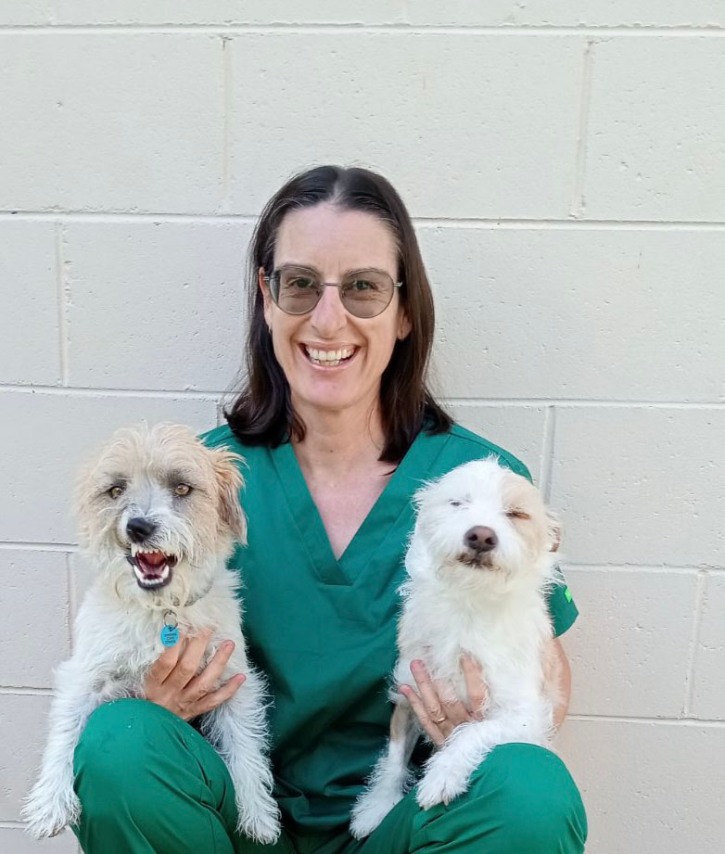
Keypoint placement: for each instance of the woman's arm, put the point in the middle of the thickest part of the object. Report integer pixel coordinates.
(562, 671)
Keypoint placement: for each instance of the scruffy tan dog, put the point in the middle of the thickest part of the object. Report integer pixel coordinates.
(159, 515)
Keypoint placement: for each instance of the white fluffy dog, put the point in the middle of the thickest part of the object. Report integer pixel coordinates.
(159, 515)
(479, 564)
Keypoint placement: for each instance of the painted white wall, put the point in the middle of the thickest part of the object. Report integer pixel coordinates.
(565, 166)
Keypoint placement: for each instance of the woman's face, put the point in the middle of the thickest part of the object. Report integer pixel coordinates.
(333, 242)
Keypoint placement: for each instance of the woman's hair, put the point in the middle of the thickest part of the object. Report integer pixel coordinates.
(262, 413)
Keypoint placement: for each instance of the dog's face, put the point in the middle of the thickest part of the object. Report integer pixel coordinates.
(487, 520)
(158, 511)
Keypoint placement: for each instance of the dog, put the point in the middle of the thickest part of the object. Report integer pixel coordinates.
(480, 562)
(159, 515)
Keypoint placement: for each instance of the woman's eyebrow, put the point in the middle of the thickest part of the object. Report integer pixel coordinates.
(310, 269)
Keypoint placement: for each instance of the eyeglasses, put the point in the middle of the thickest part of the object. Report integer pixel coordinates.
(364, 293)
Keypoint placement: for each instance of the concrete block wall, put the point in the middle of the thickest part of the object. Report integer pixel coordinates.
(564, 164)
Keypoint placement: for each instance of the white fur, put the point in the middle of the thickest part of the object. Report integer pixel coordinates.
(495, 611)
(118, 625)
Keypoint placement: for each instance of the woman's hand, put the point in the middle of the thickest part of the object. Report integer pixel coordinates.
(174, 680)
(437, 708)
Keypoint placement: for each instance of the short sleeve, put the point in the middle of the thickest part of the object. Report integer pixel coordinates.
(562, 608)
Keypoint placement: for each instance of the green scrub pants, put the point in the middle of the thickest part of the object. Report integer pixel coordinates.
(148, 782)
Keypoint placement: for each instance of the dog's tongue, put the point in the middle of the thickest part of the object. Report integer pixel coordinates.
(151, 560)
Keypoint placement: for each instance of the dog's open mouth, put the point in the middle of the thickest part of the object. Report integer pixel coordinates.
(153, 569)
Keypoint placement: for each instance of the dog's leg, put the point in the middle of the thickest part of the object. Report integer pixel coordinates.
(391, 777)
(238, 730)
(52, 803)
(448, 771)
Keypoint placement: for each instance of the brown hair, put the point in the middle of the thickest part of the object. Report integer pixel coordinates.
(262, 413)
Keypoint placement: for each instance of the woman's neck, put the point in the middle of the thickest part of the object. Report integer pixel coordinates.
(337, 443)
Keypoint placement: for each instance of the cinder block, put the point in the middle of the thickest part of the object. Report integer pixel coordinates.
(494, 13)
(14, 841)
(221, 12)
(518, 429)
(588, 314)
(129, 122)
(29, 335)
(629, 648)
(34, 604)
(24, 725)
(542, 13)
(654, 147)
(82, 576)
(50, 434)
(368, 99)
(166, 313)
(709, 676)
(640, 485)
(648, 788)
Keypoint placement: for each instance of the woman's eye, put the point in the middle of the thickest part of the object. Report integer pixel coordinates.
(300, 284)
(182, 489)
(115, 491)
(362, 285)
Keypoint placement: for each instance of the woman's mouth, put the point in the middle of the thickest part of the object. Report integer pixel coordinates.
(328, 358)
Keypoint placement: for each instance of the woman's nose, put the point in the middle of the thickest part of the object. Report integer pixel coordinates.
(329, 314)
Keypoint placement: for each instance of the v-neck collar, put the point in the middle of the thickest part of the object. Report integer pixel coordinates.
(375, 528)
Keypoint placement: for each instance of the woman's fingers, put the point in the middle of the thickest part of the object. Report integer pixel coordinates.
(436, 705)
(166, 662)
(475, 686)
(432, 730)
(207, 681)
(428, 693)
(216, 698)
(177, 682)
(189, 661)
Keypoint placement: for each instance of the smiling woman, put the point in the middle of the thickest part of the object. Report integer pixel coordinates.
(339, 431)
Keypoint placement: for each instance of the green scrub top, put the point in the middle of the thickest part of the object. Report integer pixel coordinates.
(322, 629)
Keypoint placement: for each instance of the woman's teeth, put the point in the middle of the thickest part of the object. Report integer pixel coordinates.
(329, 358)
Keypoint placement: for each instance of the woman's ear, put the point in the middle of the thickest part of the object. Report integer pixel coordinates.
(404, 325)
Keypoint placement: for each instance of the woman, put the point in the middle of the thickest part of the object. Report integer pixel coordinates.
(338, 430)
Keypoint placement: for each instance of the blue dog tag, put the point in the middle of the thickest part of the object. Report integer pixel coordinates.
(170, 635)
(170, 631)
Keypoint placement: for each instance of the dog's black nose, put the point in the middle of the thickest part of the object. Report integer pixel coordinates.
(139, 529)
(481, 539)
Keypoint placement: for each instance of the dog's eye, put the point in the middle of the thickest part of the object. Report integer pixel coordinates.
(116, 490)
(182, 489)
(517, 514)
(456, 503)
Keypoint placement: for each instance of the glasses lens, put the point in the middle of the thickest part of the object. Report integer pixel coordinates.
(295, 291)
(367, 293)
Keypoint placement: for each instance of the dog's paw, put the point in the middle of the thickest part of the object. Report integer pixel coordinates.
(441, 784)
(48, 817)
(369, 810)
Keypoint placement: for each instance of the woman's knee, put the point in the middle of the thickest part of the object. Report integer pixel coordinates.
(127, 749)
(520, 800)
(149, 781)
(537, 803)
(112, 752)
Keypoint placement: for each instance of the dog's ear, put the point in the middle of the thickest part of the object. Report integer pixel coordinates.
(553, 530)
(229, 483)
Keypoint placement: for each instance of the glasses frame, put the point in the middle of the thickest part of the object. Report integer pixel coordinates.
(268, 280)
